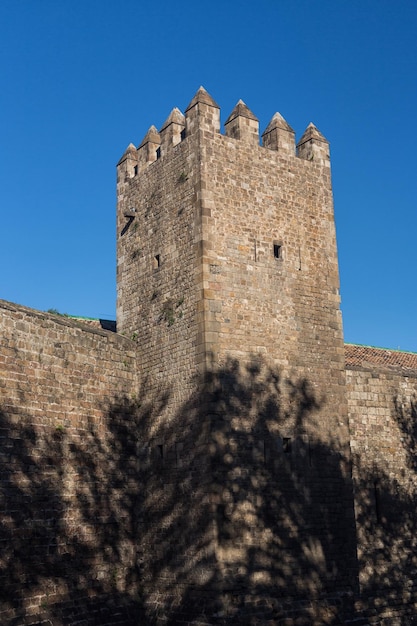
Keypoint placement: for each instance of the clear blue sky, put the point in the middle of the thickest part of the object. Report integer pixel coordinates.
(80, 79)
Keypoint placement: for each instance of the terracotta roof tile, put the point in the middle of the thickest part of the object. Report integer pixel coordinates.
(363, 356)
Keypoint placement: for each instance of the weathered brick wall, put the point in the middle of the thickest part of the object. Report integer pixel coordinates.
(383, 421)
(68, 484)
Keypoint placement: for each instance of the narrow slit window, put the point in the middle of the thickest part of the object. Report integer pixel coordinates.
(183, 134)
(157, 261)
(135, 170)
(277, 250)
(158, 153)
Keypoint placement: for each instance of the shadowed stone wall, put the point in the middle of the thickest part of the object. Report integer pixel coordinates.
(66, 540)
(227, 271)
(382, 396)
(224, 458)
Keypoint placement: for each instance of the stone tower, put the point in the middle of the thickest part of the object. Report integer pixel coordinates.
(227, 278)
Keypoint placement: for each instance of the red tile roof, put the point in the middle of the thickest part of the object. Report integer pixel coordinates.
(365, 356)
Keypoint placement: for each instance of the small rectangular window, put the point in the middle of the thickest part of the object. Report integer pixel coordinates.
(135, 170)
(183, 134)
(158, 153)
(277, 251)
(157, 261)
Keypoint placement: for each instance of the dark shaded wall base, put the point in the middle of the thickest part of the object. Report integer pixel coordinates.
(102, 611)
(109, 610)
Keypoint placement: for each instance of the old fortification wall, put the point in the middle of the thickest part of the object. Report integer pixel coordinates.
(382, 397)
(207, 464)
(157, 243)
(270, 279)
(68, 491)
(228, 281)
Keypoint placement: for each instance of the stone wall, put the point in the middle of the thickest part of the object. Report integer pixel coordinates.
(228, 281)
(382, 397)
(157, 262)
(68, 483)
(272, 307)
(207, 465)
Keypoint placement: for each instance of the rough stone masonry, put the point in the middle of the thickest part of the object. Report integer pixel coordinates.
(224, 458)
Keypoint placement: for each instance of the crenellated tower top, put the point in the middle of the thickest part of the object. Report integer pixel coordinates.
(313, 146)
(172, 130)
(203, 114)
(279, 135)
(242, 124)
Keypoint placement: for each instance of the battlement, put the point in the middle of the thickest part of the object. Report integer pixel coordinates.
(223, 456)
(203, 115)
(237, 227)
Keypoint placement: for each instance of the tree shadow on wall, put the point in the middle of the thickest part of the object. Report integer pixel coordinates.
(249, 516)
(233, 510)
(386, 509)
(69, 501)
